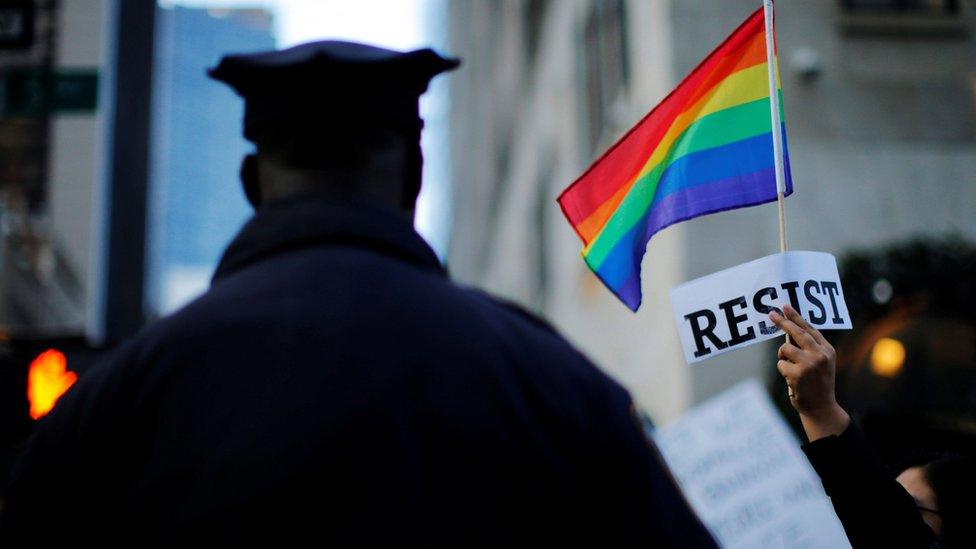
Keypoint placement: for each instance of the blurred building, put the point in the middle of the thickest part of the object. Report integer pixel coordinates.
(50, 144)
(56, 116)
(196, 204)
(880, 101)
(53, 67)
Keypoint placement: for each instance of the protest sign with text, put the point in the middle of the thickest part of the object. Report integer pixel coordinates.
(730, 309)
(742, 470)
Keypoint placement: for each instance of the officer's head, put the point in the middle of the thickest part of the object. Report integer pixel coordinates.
(333, 118)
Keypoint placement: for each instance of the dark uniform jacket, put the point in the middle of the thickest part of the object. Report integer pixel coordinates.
(335, 387)
(874, 508)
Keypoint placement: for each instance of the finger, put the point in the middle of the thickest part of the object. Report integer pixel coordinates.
(798, 319)
(789, 370)
(789, 352)
(798, 335)
(819, 338)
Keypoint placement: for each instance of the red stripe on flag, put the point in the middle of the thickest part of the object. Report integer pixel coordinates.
(619, 165)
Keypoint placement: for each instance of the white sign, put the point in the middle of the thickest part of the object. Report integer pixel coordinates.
(730, 309)
(742, 470)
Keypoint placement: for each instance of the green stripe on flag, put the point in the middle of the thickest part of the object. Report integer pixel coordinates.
(709, 132)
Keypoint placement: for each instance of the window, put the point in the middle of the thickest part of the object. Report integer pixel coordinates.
(604, 65)
(196, 204)
(931, 7)
(903, 18)
(534, 16)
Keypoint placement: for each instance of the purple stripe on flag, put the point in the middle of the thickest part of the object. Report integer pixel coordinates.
(726, 194)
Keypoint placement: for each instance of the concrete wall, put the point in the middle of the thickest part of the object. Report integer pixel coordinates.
(517, 141)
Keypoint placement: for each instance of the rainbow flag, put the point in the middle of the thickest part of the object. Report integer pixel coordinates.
(708, 147)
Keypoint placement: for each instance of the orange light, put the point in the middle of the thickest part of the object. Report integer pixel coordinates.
(47, 379)
(887, 357)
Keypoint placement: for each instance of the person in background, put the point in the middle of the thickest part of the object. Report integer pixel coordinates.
(334, 387)
(929, 502)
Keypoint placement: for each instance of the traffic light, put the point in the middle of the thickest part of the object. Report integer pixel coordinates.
(34, 372)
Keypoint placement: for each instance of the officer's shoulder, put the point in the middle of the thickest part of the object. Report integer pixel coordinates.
(561, 358)
(514, 309)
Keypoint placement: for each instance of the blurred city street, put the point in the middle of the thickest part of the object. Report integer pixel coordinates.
(120, 190)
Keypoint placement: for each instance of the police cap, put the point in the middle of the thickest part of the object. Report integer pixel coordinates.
(330, 87)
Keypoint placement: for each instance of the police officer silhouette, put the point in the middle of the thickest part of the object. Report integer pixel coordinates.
(334, 386)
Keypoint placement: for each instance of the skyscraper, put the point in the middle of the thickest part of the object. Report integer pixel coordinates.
(197, 204)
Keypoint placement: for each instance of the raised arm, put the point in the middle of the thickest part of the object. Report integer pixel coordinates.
(808, 362)
(874, 508)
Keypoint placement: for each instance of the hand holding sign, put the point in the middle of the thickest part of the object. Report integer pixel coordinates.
(808, 362)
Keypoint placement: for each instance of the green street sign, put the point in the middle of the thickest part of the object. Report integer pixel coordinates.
(36, 92)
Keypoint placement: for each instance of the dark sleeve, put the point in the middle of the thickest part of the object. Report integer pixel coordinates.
(876, 510)
(58, 479)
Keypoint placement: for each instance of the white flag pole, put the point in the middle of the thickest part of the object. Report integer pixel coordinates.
(777, 125)
(771, 67)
